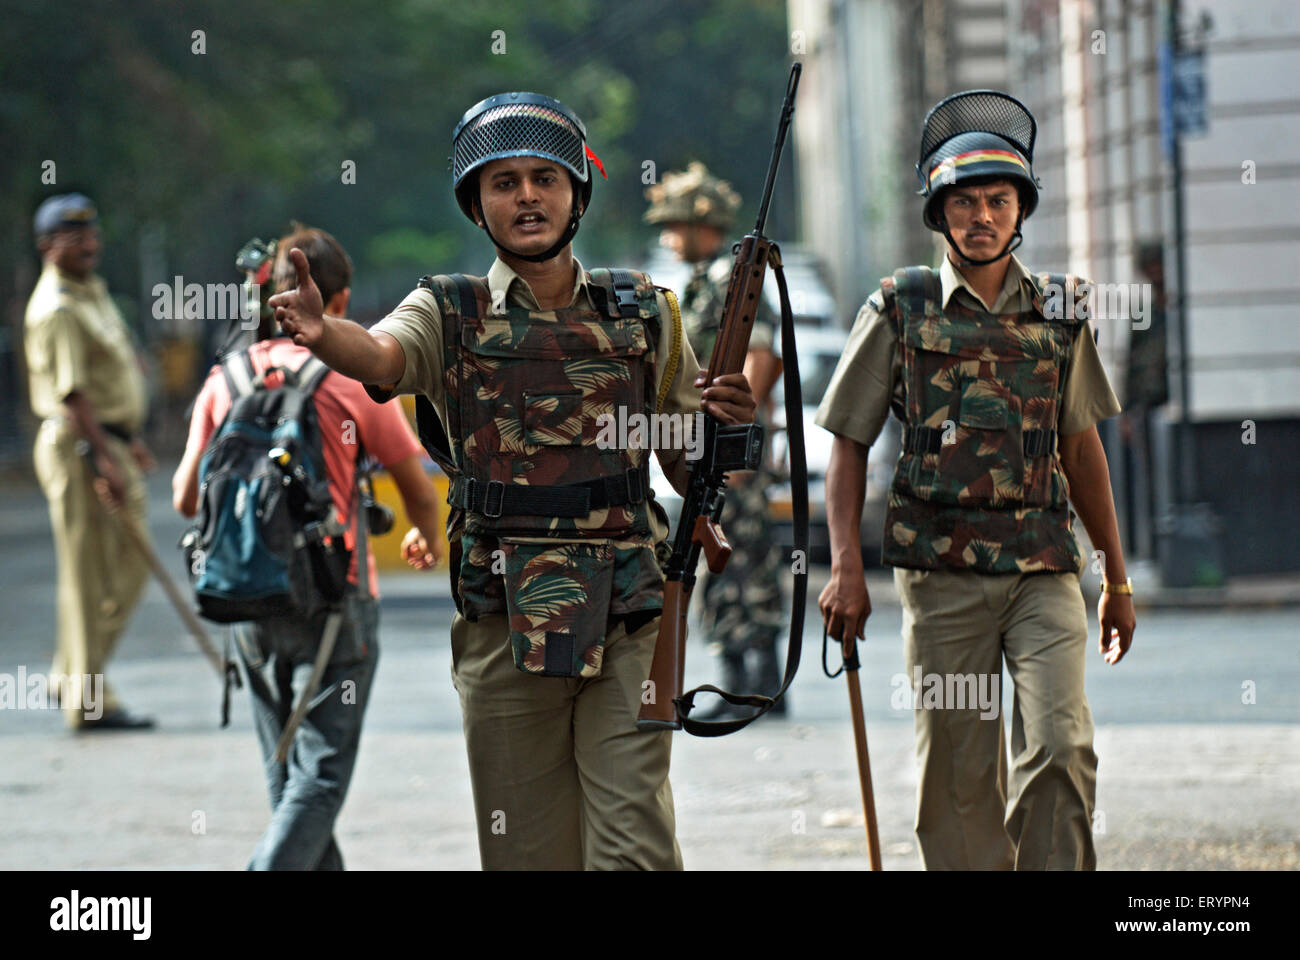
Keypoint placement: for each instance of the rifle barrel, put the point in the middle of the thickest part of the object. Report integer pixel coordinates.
(787, 111)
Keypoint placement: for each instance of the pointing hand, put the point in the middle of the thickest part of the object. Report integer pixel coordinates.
(300, 311)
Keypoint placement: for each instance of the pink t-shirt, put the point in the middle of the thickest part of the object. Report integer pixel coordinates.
(381, 428)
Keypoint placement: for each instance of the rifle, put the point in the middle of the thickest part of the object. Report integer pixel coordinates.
(727, 448)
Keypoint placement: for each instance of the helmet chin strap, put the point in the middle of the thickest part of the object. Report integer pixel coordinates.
(575, 215)
(1013, 244)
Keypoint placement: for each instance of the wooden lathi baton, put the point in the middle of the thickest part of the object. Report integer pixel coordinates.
(146, 550)
(850, 670)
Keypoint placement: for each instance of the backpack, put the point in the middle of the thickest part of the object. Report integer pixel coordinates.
(267, 541)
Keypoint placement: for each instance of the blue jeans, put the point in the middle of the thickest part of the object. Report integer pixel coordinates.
(307, 792)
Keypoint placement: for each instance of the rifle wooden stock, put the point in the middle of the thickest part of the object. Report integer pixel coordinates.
(668, 669)
(717, 551)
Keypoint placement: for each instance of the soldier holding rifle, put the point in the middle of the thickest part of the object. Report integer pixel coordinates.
(557, 583)
(742, 615)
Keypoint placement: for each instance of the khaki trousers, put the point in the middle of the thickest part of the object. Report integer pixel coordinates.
(961, 623)
(101, 575)
(562, 778)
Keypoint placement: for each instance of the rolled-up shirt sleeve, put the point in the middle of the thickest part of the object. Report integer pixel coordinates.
(64, 347)
(857, 401)
(416, 325)
(681, 397)
(1087, 395)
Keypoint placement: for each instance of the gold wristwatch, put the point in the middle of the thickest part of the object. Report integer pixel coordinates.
(1125, 588)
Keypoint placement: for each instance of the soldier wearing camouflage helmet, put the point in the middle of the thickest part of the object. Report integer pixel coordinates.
(554, 532)
(999, 387)
(741, 611)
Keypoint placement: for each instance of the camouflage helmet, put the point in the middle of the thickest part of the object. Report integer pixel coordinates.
(692, 196)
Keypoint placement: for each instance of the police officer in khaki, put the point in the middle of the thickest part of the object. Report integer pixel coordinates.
(995, 376)
(554, 531)
(87, 385)
(741, 611)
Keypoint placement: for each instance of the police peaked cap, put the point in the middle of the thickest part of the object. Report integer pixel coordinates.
(64, 212)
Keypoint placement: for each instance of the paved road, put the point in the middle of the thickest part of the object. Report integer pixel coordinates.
(1190, 775)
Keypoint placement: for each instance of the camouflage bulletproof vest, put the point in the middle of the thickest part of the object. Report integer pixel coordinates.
(553, 527)
(702, 303)
(979, 485)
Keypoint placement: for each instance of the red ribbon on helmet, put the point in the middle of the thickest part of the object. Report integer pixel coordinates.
(596, 160)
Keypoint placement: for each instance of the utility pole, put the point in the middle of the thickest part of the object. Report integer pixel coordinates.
(1191, 553)
(1181, 460)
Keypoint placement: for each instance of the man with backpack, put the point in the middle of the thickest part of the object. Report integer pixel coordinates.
(288, 450)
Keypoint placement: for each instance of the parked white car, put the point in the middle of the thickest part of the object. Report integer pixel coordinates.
(820, 349)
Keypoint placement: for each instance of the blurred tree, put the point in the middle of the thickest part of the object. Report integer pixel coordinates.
(340, 115)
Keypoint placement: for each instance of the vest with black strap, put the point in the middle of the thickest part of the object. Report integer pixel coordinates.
(978, 484)
(539, 501)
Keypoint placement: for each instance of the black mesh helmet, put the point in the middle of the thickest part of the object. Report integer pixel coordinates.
(520, 125)
(977, 133)
(981, 134)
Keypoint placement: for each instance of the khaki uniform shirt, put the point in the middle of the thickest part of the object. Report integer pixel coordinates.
(870, 374)
(416, 324)
(77, 341)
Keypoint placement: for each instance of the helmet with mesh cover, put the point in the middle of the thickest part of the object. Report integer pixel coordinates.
(974, 137)
(522, 124)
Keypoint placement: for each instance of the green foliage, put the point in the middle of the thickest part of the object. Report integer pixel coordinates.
(236, 141)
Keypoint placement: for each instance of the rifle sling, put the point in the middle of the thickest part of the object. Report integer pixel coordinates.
(799, 496)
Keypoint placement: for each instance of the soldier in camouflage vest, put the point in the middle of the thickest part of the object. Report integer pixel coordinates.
(994, 374)
(741, 612)
(553, 530)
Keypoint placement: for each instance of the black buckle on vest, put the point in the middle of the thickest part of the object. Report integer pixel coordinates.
(498, 488)
(922, 439)
(474, 492)
(1035, 443)
(625, 293)
(1038, 443)
(635, 489)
